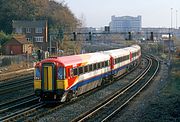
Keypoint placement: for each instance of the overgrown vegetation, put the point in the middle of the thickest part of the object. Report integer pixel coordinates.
(174, 85)
(3, 38)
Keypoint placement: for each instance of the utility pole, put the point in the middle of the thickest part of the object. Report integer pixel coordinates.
(176, 19)
(50, 45)
(171, 18)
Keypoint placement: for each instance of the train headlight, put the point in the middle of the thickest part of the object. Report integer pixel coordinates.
(37, 74)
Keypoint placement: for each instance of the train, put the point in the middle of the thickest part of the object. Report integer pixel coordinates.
(59, 79)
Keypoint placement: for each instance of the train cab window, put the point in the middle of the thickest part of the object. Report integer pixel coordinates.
(37, 73)
(61, 73)
(80, 70)
(75, 71)
(90, 67)
(85, 69)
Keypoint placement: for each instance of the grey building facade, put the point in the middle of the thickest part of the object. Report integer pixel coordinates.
(35, 31)
(125, 24)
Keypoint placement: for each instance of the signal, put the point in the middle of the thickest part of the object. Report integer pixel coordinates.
(129, 35)
(90, 36)
(74, 36)
(151, 36)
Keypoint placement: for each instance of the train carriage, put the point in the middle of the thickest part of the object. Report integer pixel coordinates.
(119, 60)
(61, 77)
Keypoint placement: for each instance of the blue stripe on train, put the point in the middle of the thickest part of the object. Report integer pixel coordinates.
(97, 78)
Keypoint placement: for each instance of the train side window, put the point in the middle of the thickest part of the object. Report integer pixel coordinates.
(90, 67)
(94, 66)
(106, 63)
(102, 64)
(75, 71)
(116, 60)
(80, 70)
(85, 69)
(71, 72)
(99, 65)
(127, 57)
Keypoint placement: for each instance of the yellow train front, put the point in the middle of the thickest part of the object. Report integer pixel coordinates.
(49, 81)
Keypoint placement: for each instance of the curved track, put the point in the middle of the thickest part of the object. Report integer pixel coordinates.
(108, 108)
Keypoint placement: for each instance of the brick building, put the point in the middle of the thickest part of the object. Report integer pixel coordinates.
(17, 45)
(36, 31)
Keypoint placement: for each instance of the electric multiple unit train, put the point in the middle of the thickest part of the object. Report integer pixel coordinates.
(62, 78)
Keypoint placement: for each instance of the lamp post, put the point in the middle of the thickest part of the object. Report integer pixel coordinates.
(176, 19)
(50, 44)
(171, 17)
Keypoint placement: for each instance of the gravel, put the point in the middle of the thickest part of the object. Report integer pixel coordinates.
(141, 108)
(71, 111)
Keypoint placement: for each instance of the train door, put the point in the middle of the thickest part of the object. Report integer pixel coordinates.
(48, 77)
(130, 56)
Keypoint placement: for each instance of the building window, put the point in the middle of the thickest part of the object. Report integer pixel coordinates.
(18, 30)
(28, 30)
(28, 39)
(39, 39)
(38, 30)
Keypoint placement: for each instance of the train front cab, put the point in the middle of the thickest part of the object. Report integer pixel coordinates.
(49, 82)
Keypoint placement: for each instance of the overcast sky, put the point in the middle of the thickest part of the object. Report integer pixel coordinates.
(97, 13)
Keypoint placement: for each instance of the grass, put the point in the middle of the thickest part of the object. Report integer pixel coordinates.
(166, 107)
(174, 85)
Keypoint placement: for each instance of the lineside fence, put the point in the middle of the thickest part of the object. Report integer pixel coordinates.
(15, 59)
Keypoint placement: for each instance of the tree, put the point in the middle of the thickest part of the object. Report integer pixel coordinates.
(3, 38)
(58, 14)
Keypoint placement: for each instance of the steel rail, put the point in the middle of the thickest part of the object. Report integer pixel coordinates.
(126, 102)
(19, 104)
(15, 87)
(16, 100)
(88, 114)
(22, 113)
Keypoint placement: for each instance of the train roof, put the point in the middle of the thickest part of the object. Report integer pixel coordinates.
(87, 58)
(133, 48)
(117, 52)
(122, 51)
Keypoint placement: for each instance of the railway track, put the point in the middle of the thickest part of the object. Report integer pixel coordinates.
(34, 112)
(21, 114)
(62, 106)
(18, 108)
(16, 102)
(9, 87)
(105, 110)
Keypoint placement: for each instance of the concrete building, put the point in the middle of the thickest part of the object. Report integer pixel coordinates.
(125, 24)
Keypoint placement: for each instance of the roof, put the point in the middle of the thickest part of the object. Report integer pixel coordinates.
(82, 59)
(117, 52)
(21, 39)
(28, 24)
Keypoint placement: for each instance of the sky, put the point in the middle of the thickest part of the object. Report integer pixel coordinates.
(155, 13)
